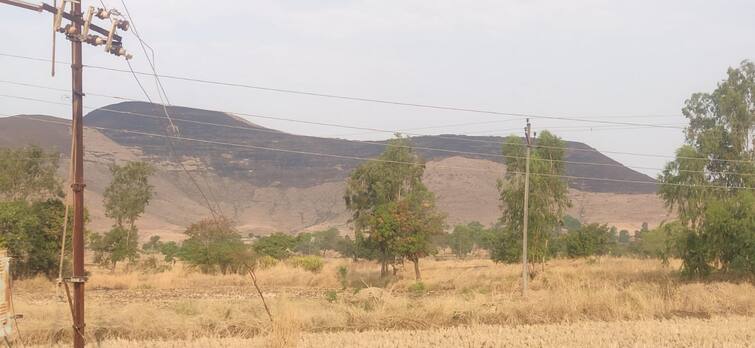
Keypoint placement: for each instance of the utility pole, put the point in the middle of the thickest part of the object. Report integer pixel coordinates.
(78, 278)
(525, 272)
(77, 32)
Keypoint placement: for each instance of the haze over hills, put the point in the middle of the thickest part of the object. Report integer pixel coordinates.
(289, 188)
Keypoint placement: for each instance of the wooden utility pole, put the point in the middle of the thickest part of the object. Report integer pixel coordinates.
(77, 32)
(526, 218)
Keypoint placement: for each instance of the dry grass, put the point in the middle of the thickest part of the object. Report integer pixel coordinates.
(690, 332)
(180, 305)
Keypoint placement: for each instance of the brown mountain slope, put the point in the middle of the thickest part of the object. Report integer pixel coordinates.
(267, 191)
(264, 167)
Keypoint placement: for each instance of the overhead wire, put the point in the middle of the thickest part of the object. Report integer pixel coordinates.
(173, 128)
(312, 153)
(253, 129)
(382, 101)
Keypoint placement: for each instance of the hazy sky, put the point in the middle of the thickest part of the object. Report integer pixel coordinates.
(580, 58)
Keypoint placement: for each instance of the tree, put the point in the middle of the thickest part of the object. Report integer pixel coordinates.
(170, 251)
(277, 245)
(716, 163)
(153, 245)
(118, 244)
(381, 195)
(547, 200)
(31, 233)
(464, 238)
(571, 223)
(129, 193)
(418, 222)
(624, 237)
(461, 241)
(125, 199)
(589, 240)
(31, 210)
(28, 174)
(214, 245)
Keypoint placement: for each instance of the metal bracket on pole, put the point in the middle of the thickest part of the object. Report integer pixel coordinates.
(76, 279)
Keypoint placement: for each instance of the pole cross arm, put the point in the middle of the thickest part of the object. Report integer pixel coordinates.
(77, 20)
(66, 15)
(23, 4)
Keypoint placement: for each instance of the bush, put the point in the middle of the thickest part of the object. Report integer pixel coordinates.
(343, 272)
(589, 240)
(214, 245)
(277, 245)
(417, 289)
(309, 263)
(331, 296)
(266, 261)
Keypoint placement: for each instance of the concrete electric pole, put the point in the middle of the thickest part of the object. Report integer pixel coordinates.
(525, 271)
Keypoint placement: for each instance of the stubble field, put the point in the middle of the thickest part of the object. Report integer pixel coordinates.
(469, 303)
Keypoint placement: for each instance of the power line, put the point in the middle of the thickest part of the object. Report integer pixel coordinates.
(456, 138)
(310, 153)
(129, 113)
(381, 101)
(173, 129)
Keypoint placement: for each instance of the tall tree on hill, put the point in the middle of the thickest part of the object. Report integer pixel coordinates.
(383, 195)
(719, 154)
(547, 201)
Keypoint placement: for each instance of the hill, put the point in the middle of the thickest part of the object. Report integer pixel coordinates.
(268, 190)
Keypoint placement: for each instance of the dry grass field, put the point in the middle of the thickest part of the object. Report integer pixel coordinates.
(477, 303)
(719, 332)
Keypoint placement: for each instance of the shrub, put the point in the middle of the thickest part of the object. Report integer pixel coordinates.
(417, 289)
(331, 296)
(277, 245)
(309, 263)
(343, 272)
(266, 261)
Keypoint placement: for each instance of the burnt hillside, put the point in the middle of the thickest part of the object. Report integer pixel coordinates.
(261, 167)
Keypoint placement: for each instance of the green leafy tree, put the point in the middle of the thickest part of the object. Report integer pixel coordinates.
(418, 223)
(589, 240)
(31, 210)
(464, 238)
(170, 251)
(125, 199)
(375, 194)
(153, 245)
(277, 245)
(461, 241)
(712, 168)
(214, 245)
(393, 212)
(32, 234)
(129, 192)
(547, 200)
(114, 246)
(28, 174)
(571, 223)
(624, 237)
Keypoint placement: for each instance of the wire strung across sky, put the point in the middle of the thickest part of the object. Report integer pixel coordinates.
(310, 153)
(163, 95)
(253, 129)
(380, 101)
(380, 130)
